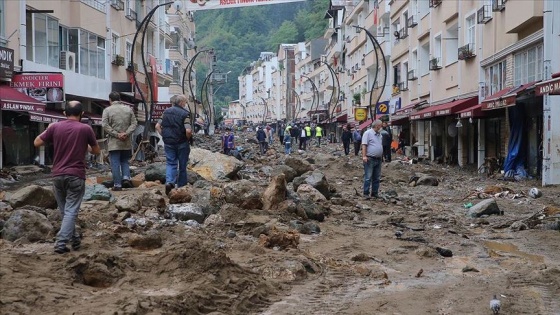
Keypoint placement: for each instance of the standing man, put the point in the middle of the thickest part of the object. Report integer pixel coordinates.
(357, 139)
(228, 141)
(176, 131)
(346, 138)
(287, 140)
(318, 134)
(372, 154)
(387, 139)
(302, 138)
(281, 131)
(71, 141)
(119, 123)
(261, 138)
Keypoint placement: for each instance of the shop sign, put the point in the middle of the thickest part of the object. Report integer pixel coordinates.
(43, 119)
(360, 114)
(499, 103)
(44, 87)
(382, 108)
(22, 107)
(551, 87)
(199, 5)
(6, 63)
(158, 110)
(443, 112)
(466, 114)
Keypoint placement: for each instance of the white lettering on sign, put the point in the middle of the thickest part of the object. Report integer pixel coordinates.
(43, 119)
(428, 115)
(443, 112)
(6, 56)
(551, 87)
(466, 115)
(22, 107)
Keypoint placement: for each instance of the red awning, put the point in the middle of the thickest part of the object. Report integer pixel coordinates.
(48, 116)
(365, 124)
(342, 118)
(12, 99)
(398, 120)
(474, 111)
(551, 87)
(444, 109)
(407, 109)
(95, 119)
(505, 97)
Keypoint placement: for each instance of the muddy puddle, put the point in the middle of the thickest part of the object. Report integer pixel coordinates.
(497, 249)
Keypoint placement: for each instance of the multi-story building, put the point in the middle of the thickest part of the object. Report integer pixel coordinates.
(82, 50)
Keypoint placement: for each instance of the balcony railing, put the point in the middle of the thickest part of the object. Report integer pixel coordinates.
(403, 86)
(96, 4)
(434, 3)
(498, 5)
(167, 28)
(403, 33)
(466, 52)
(411, 22)
(435, 64)
(484, 14)
(412, 75)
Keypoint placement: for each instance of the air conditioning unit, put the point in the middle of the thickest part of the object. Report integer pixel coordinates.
(67, 61)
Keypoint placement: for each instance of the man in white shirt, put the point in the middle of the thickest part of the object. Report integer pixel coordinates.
(372, 156)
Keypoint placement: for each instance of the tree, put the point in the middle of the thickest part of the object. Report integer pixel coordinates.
(286, 33)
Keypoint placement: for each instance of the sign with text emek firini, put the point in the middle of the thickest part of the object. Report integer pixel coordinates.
(198, 5)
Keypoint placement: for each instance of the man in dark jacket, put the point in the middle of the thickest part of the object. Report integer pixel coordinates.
(387, 139)
(176, 132)
(346, 138)
(261, 137)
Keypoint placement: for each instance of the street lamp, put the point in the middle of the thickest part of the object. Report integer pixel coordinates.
(298, 107)
(380, 58)
(332, 101)
(188, 70)
(265, 109)
(142, 28)
(315, 89)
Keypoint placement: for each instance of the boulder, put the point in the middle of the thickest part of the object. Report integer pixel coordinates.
(180, 195)
(214, 166)
(97, 192)
(306, 191)
(322, 158)
(186, 211)
(155, 172)
(153, 198)
(300, 166)
(128, 203)
(308, 209)
(289, 172)
(150, 240)
(210, 198)
(485, 207)
(193, 177)
(427, 180)
(305, 228)
(275, 193)
(244, 194)
(33, 195)
(318, 181)
(27, 224)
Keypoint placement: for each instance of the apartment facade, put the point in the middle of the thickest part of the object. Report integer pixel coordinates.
(82, 50)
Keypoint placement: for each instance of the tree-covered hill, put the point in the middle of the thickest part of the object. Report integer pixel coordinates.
(239, 35)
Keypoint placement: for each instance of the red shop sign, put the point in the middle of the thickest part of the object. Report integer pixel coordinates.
(44, 87)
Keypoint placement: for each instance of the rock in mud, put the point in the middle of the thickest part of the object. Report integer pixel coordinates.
(180, 195)
(214, 219)
(519, 226)
(186, 211)
(192, 177)
(427, 180)
(97, 192)
(361, 257)
(468, 268)
(244, 194)
(155, 172)
(278, 238)
(444, 252)
(153, 198)
(128, 203)
(397, 251)
(300, 166)
(99, 271)
(305, 228)
(427, 252)
(289, 172)
(485, 207)
(27, 225)
(318, 181)
(306, 191)
(150, 240)
(288, 271)
(33, 195)
(214, 166)
(307, 209)
(275, 193)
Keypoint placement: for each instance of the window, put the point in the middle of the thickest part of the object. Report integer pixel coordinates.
(470, 31)
(405, 18)
(452, 44)
(42, 39)
(2, 23)
(414, 60)
(128, 53)
(397, 74)
(115, 47)
(89, 49)
(437, 48)
(424, 57)
(495, 78)
(528, 65)
(423, 8)
(405, 71)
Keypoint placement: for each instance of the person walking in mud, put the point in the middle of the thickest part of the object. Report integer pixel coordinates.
(346, 138)
(387, 139)
(176, 132)
(287, 140)
(228, 141)
(357, 139)
(261, 138)
(318, 134)
(71, 141)
(372, 156)
(119, 123)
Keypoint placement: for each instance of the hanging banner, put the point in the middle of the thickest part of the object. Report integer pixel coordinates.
(382, 108)
(360, 114)
(199, 5)
(44, 87)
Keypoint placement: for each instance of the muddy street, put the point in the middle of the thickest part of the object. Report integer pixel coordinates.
(274, 234)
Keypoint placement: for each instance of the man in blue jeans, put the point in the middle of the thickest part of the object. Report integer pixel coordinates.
(71, 141)
(176, 132)
(119, 123)
(372, 156)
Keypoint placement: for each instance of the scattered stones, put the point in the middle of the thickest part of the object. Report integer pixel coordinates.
(214, 219)
(27, 225)
(307, 192)
(300, 166)
(275, 193)
(444, 252)
(244, 194)
(97, 192)
(214, 166)
(186, 211)
(485, 207)
(150, 240)
(33, 195)
(305, 228)
(281, 239)
(155, 172)
(192, 223)
(231, 234)
(180, 195)
(518, 226)
(468, 268)
(153, 198)
(289, 172)
(128, 203)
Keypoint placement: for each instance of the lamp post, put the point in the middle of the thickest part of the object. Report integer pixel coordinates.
(315, 89)
(142, 28)
(188, 71)
(380, 58)
(330, 113)
(265, 109)
(298, 107)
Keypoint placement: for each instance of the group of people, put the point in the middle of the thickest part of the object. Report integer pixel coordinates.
(72, 140)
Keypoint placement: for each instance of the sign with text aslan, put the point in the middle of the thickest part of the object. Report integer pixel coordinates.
(6, 63)
(198, 5)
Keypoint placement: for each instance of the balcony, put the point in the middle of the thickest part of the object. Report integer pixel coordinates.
(131, 14)
(402, 33)
(435, 64)
(498, 5)
(411, 22)
(411, 76)
(96, 4)
(118, 60)
(484, 14)
(466, 52)
(435, 3)
(403, 86)
(117, 5)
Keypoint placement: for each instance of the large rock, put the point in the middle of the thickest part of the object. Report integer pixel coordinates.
(97, 192)
(214, 166)
(186, 211)
(318, 181)
(210, 198)
(153, 198)
(308, 209)
(485, 207)
(27, 224)
(180, 195)
(427, 180)
(289, 172)
(275, 193)
(306, 191)
(299, 165)
(155, 172)
(128, 203)
(150, 240)
(33, 195)
(244, 194)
